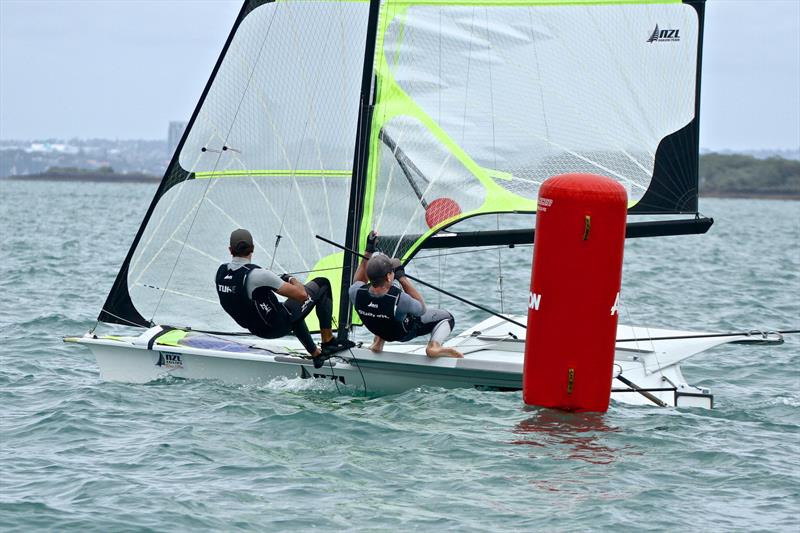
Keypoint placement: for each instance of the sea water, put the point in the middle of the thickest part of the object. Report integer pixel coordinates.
(80, 454)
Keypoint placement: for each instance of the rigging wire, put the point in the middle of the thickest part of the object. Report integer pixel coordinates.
(439, 303)
(752, 333)
(278, 235)
(500, 270)
(430, 285)
(633, 329)
(277, 242)
(439, 255)
(134, 324)
(351, 362)
(474, 251)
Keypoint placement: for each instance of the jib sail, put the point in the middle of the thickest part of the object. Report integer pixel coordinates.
(269, 148)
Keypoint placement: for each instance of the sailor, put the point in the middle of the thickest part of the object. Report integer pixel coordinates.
(392, 308)
(247, 292)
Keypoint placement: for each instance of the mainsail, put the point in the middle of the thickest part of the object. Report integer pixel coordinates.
(489, 99)
(334, 117)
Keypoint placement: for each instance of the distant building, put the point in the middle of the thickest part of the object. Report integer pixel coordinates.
(52, 148)
(174, 136)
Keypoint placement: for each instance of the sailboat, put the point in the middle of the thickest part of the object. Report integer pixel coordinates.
(335, 117)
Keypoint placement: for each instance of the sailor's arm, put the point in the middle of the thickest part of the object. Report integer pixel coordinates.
(293, 289)
(361, 271)
(409, 288)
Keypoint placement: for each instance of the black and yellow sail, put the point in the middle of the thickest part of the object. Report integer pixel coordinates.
(477, 103)
(334, 117)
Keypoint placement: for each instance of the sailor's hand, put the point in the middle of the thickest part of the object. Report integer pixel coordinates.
(399, 272)
(372, 242)
(287, 278)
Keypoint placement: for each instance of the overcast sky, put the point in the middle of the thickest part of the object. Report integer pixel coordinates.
(125, 68)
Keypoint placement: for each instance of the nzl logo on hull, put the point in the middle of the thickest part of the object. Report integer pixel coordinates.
(170, 360)
(664, 35)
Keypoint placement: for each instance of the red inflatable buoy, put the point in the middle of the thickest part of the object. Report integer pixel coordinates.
(575, 284)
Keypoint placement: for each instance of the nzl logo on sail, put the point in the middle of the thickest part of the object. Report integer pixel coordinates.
(664, 35)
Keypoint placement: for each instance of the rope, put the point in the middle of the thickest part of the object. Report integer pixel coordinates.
(480, 250)
(500, 269)
(134, 324)
(763, 334)
(434, 287)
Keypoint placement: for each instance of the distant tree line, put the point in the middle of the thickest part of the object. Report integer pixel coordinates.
(69, 171)
(104, 173)
(747, 176)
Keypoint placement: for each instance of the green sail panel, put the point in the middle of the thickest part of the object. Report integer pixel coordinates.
(270, 149)
(477, 103)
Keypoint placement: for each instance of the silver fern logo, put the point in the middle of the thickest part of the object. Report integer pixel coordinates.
(664, 35)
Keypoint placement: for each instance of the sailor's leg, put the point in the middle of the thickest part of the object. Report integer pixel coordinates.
(439, 323)
(435, 349)
(377, 344)
(300, 331)
(320, 299)
(300, 310)
(319, 291)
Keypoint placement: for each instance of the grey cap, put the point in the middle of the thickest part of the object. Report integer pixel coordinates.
(379, 265)
(241, 242)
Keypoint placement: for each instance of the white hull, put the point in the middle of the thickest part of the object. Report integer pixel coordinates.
(493, 361)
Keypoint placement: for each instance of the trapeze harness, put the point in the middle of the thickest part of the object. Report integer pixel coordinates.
(262, 314)
(378, 314)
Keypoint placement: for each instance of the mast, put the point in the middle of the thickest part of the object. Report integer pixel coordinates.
(360, 167)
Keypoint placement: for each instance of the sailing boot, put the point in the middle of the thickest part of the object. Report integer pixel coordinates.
(335, 345)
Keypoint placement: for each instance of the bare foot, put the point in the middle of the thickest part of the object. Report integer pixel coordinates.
(434, 349)
(377, 344)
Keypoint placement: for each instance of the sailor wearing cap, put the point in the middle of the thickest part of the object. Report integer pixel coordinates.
(396, 313)
(247, 293)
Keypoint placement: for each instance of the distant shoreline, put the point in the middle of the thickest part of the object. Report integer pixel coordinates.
(145, 178)
(90, 177)
(751, 196)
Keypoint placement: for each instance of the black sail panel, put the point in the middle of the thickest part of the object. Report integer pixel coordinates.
(675, 178)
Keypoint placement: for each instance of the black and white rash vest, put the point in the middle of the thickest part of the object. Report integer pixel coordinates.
(378, 314)
(262, 314)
